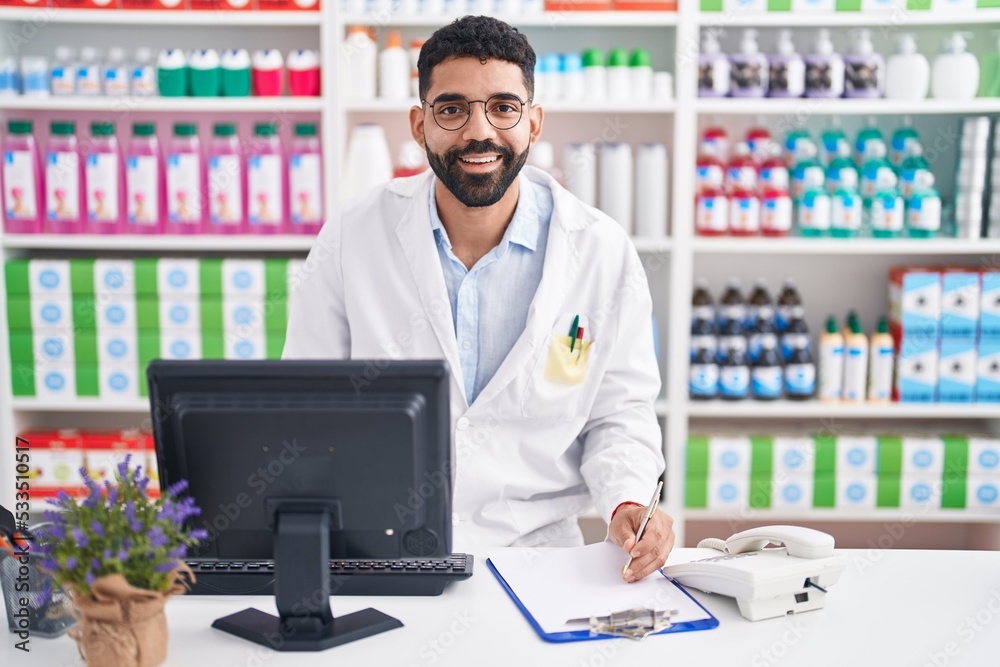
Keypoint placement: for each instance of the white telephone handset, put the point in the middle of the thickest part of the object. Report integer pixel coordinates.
(766, 582)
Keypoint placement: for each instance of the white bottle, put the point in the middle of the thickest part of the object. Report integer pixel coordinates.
(115, 74)
(615, 183)
(855, 364)
(64, 68)
(908, 74)
(595, 76)
(824, 69)
(542, 155)
(619, 76)
(713, 67)
(369, 162)
(394, 69)
(831, 363)
(748, 68)
(955, 75)
(143, 78)
(881, 359)
(88, 76)
(787, 76)
(651, 190)
(360, 55)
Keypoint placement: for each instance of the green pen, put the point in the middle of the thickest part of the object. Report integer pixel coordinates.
(572, 332)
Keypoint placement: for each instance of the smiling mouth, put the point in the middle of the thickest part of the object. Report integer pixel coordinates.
(480, 160)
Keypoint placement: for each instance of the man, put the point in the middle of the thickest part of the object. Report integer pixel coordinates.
(538, 302)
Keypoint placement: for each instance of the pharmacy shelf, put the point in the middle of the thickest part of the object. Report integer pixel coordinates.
(831, 246)
(160, 243)
(914, 515)
(895, 20)
(842, 107)
(785, 409)
(214, 19)
(76, 103)
(402, 106)
(80, 405)
(570, 19)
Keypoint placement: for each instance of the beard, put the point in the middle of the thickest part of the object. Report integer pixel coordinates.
(477, 190)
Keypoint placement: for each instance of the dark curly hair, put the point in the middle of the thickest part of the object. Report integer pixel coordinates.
(480, 37)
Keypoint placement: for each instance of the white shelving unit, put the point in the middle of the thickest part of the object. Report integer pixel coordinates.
(851, 269)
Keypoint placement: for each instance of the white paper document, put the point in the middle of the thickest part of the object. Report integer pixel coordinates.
(558, 584)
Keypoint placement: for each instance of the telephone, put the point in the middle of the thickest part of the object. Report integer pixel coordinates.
(766, 583)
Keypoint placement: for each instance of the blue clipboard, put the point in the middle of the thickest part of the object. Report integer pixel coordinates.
(586, 635)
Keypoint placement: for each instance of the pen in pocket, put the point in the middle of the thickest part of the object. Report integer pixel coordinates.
(579, 337)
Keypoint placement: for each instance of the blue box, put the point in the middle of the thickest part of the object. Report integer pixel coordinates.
(988, 376)
(960, 303)
(957, 370)
(989, 308)
(915, 301)
(917, 370)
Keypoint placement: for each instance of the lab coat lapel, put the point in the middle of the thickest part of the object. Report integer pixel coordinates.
(562, 264)
(417, 239)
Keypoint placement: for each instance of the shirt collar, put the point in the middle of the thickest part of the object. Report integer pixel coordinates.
(523, 228)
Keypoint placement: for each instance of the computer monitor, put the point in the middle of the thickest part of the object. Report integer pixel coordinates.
(304, 460)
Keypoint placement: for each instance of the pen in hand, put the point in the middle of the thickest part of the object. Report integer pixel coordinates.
(653, 502)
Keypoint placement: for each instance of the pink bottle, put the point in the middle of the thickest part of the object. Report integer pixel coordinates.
(186, 182)
(305, 181)
(104, 176)
(268, 73)
(303, 73)
(65, 199)
(145, 184)
(267, 181)
(22, 180)
(741, 172)
(710, 172)
(226, 182)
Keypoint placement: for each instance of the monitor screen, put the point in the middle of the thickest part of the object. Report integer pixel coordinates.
(371, 438)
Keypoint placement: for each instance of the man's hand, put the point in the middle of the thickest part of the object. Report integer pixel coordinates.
(651, 552)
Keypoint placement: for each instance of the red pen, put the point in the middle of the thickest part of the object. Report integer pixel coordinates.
(579, 338)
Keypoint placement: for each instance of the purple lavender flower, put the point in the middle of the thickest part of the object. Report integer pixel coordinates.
(112, 494)
(107, 554)
(199, 534)
(95, 564)
(49, 564)
(71, 563)
(89, 578)
(177, 552)
(80, 538)
(135, 525)
(123, 467)
(177, 488)
(165, 567)
(157, 539)
(98, 529)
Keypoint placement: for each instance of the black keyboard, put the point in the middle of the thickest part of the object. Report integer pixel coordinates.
(409, 576)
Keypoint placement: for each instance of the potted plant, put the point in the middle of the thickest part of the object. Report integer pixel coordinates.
(119, 554)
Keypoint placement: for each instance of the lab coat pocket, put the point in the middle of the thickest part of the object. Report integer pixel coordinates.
(557, 387)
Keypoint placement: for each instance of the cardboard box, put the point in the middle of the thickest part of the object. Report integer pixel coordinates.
(180, 345)
(728, 491)
(729, 454)
(856, 455)
(180, 312)
(118, 381)
(984, 456)
(960, 302)
(243, 277)
(55, 459)
(920, 491)
(793, 456)
(178, 277)
(856, 491)
(917, 364)
(988, 373)
(48, 276)
(957, 370)
(982, 492)
(114, 277)
(792, 492)
(922, 455)
(915, 301)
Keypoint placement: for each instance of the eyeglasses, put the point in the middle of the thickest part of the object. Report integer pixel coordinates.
(503, 111)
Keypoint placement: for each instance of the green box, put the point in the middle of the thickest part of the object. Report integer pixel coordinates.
(696, 493)
(848, 5)
(779, 5)
(697, 454)
(711, 5)
(824, 490)
(890, 455)
(888, 489)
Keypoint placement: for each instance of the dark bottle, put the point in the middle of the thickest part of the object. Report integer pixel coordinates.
(732, 305)
(800, 371)
(759, 298)
(787, 300)
(703, 381)
(766, 375)
(763, 325)
(702, 336)
(734, 371)
(796, 329)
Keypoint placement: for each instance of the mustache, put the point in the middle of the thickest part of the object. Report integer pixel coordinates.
(474, 147)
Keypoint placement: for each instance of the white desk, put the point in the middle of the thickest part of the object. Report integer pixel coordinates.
(905, 609)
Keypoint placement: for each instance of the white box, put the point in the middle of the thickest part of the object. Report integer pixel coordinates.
(817, 6)
(923, 455)
(859, 491)
(49, 276)
(180, 345)
(856, 454)
(53, 347)
(728, 455)
(56, 467)
(915, 300)
(249, 347)
(984, 456)
(744, 6)
(792, 492)
(243, 277)
(989, 306)
(982, 492)
(957, 372)
(52, 312)
(728, 491)
(55, 382)
(117, 347)
(243, 314)
(885, 6)
(118, 381)
(180, 312)
(961, 297)
(117, 313)
(793, 455)
(953, 5)
(920, 491)
(178, 277)
(114, 276)
(988, 375)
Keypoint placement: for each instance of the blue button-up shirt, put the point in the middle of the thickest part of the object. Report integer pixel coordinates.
(489, 303)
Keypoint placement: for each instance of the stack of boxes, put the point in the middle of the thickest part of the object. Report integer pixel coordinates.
(88, 328)
(970, 183)
(56, 458)
(946, 326)
(741, 473)
(993, 220)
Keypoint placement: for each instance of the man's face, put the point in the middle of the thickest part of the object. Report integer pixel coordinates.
(478, 162)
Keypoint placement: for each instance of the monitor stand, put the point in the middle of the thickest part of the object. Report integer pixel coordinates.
(302, 590)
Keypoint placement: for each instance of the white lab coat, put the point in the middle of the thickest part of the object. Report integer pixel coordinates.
(530, 454)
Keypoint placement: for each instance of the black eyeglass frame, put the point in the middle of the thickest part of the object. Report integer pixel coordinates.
(503, 96)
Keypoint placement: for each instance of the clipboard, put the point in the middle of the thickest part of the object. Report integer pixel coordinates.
(584, 634)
